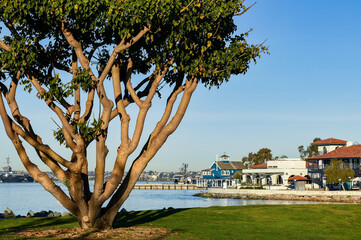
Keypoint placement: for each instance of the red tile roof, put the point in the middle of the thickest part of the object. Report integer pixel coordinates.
(353, 151)
(330, 141)
(299, 178)
(263, 165)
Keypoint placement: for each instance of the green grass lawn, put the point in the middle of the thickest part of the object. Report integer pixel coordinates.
(323, 221)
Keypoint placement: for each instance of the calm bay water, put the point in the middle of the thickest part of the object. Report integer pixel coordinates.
(22, 197)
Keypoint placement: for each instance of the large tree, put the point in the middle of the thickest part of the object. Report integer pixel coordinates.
(338, 171)
(310, 151)
(65, 51)
(263, 155)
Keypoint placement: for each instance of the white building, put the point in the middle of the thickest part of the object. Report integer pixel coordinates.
(329, 149)
(330, 144)
(275, 172)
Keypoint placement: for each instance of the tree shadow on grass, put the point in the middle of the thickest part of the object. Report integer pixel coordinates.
(122, 220)
(33, 223)
(129, 219)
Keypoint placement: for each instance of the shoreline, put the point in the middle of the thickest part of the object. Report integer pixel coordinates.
(287, 195)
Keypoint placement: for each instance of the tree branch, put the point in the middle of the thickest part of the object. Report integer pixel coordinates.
(124, 117)
(84, 61)
(41, 147)
(74, 66)
(150, 149)
(128, 84)
(6, 120)
(25, 123)
(53, 106)
(88, 106)
(190, 86)
(39, 176)
(4, 46)
(121, 47)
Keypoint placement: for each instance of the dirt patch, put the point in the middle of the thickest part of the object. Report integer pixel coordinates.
(118, 233)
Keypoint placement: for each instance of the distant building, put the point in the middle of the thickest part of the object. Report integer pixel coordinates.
(222, 169)
(328, 145)
(329, 149)
(220, 172)
(275, 172)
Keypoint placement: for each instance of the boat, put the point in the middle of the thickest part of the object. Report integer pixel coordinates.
(10, 176)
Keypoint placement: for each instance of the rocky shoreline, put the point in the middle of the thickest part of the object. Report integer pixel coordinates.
(8, 213)
(315, 196)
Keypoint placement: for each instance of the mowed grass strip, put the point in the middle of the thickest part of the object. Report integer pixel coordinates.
(314, 221)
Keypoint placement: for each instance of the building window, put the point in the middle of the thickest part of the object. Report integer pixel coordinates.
(222, 172)
(324, 150)
(227, 172)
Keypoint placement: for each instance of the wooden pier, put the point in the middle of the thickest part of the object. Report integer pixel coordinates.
(167, 186)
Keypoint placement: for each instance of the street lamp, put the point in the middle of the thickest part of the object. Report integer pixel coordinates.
(339, 180)
(350, 182)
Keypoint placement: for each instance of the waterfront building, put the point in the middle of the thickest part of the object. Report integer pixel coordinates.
(275, 172)
(329, 149)
(220, 173)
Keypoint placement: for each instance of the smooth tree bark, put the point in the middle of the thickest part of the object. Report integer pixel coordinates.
(64, 52)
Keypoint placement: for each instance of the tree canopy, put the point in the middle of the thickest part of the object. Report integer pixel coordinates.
(338, 170)
(64, 51)
(263, 155)
(310, 151)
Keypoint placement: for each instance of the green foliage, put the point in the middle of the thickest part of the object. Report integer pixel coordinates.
(311, 151)
(238, 175)
(338, 170)
(197, 36)
(88, 130)
(66, 182)
(263, 155)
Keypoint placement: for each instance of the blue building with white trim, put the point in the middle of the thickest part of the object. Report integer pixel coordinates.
(220, 172)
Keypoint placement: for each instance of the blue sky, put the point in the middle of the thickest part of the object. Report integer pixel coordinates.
(308, 87)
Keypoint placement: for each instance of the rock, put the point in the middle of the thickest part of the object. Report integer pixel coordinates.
(65, 214)
(30, 214)
(57, 214)
(50, 214)
(123, 210)
(8, 213)
(41, 214)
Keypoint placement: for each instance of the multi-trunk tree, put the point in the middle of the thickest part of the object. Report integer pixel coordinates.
(63, 52)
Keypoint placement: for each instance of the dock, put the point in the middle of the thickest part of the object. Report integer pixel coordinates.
(167, 186)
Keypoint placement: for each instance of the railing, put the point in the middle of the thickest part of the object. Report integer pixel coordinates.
(167, 186)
